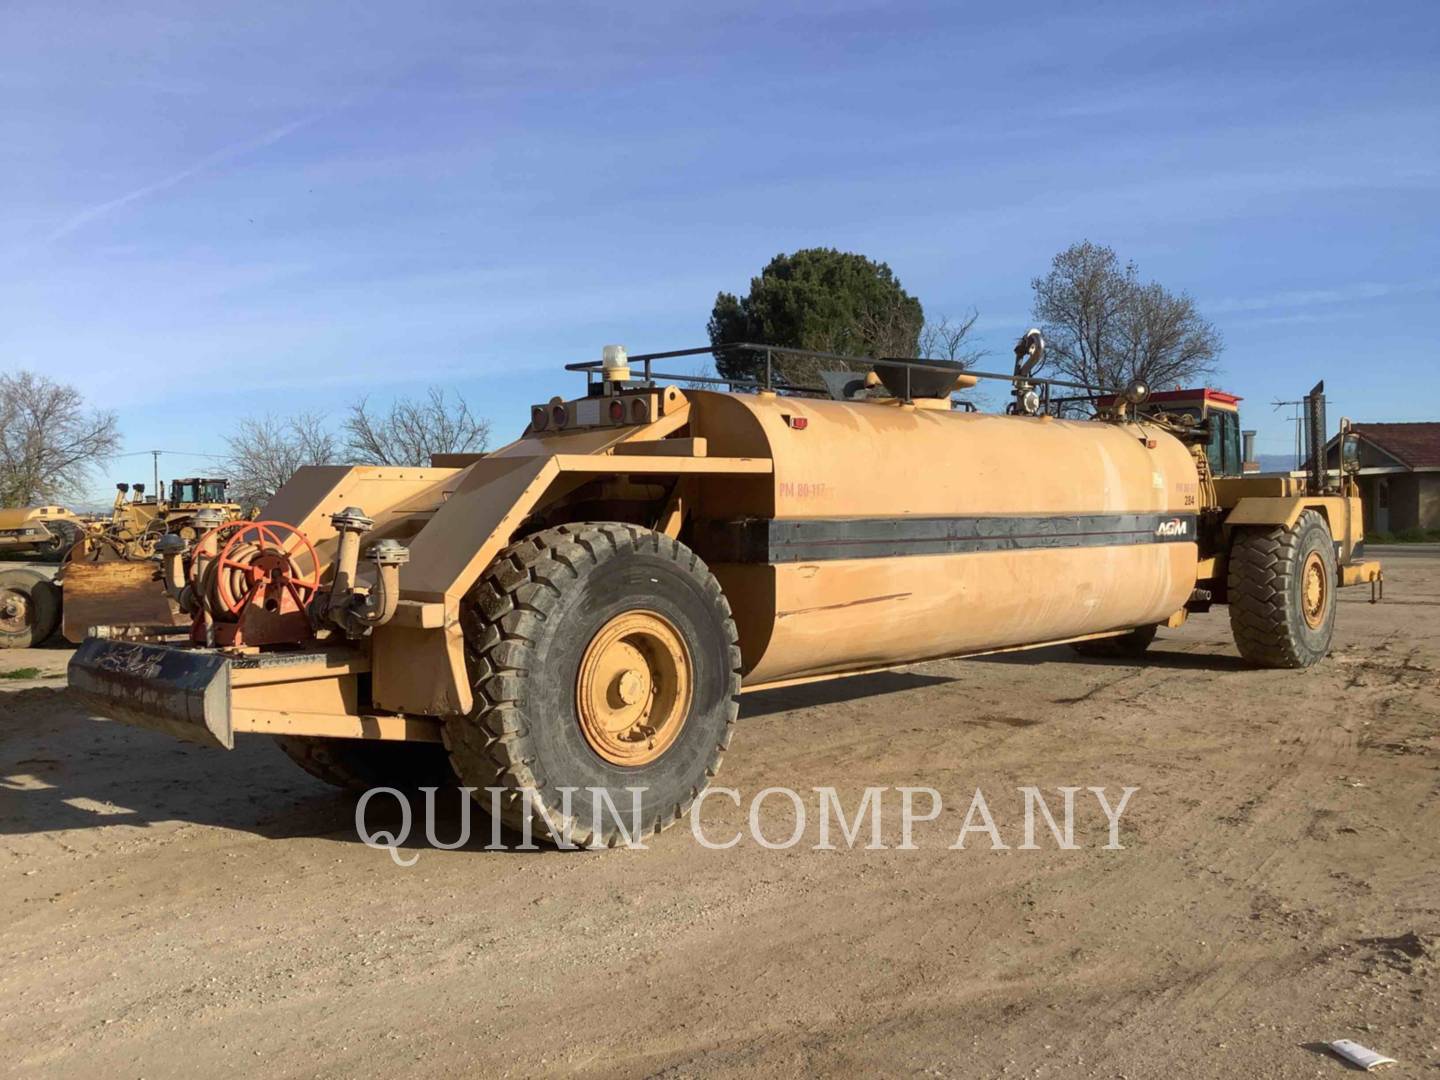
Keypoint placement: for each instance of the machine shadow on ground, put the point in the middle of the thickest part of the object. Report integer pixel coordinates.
(118, 776)
(1157, 657)
(833, 692)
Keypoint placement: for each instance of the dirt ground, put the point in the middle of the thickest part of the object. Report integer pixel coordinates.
(172, 911)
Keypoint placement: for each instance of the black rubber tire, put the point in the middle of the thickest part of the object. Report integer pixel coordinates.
(361, 764)
(65, 534)
(1266, 606)
(527, 624)
(1126, 646)
(43, 608)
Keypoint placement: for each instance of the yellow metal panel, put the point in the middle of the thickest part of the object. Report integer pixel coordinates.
(620, 465)
(874, 460)
(1231, 489)
(1360, 573)
(842, 614)
(422, 671)
(667, 447)
(331, 725)
(399, 499)
(465, 533)
(1284, 511)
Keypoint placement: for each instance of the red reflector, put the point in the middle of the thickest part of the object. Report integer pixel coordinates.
(617, 410)
(799, 423)
(559, 415)
(640, 410)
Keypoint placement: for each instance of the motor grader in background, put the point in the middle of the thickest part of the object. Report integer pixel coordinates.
(108, 570)
(574, 616)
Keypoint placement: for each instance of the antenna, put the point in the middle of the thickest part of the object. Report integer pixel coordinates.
(1297, 417)
(1308, 416)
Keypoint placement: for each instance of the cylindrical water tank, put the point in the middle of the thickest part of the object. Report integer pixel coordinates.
(893, 533)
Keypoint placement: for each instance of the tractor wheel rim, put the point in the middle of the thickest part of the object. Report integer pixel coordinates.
(1314, 591)
(634, 688)
(14, 611)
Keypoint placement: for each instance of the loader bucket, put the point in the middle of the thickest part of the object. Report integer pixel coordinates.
(181, 692)
(114, 594)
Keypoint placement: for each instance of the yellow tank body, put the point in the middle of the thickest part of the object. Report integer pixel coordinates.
(893, 533)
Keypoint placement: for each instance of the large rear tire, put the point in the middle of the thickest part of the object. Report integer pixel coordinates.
(361, 764)
(1282, 593)
(603, 658)
(29, 609)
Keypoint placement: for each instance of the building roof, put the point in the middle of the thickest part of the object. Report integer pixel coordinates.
(1207, 394)
(1416, 445)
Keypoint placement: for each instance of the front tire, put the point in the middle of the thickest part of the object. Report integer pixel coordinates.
(1282, 593)
(603, 657)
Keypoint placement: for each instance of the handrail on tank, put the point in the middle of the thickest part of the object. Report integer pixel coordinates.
(592, 367)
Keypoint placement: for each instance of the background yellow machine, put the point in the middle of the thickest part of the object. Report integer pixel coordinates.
(109, 572)
(44, 531)
(582, 608)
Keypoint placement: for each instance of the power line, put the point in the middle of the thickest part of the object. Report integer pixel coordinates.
(176, 453)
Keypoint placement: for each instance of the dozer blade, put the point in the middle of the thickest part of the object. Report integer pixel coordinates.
(113, 594)
(181, 692)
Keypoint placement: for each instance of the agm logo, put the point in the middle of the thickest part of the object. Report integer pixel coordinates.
(1175, 527)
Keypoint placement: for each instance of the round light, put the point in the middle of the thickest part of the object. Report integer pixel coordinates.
(1138, 392)
(617, 411)
(640, 411)
(559, 415)
(537, 419)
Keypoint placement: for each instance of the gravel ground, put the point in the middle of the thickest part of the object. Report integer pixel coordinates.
(172, 911)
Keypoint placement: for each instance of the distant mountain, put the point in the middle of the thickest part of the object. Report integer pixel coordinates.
(1276, 462)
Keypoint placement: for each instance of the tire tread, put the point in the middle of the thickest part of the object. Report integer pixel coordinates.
(523, 587)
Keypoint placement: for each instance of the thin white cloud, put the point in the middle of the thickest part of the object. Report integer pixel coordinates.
(1343, 294)
(209, 161)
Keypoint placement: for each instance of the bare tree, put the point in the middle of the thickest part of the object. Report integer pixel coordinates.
(49, 440)
(265, 452)
(1164, 340)
(1103, 326)
(412, 430)
(949, 339)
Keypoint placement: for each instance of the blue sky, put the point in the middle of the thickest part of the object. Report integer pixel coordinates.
(208, 211)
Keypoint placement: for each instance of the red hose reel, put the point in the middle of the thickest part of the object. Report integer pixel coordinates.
(256, 584)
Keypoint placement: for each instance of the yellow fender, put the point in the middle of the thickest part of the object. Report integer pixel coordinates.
(1342, 512)
(418, 660)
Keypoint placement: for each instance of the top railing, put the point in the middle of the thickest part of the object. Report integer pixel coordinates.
(646, 361)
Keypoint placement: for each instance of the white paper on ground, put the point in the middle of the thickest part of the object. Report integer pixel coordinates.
(1363, 1056)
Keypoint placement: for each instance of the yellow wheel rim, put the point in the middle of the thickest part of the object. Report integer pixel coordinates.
(634, 688)
(1314, 590)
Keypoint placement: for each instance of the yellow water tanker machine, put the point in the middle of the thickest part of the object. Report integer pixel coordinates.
(583, 608)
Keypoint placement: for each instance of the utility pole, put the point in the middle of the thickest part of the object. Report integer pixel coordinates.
(155, 455)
